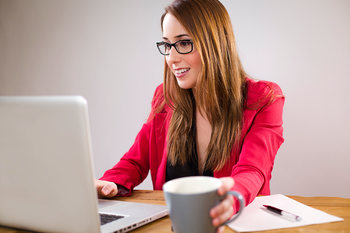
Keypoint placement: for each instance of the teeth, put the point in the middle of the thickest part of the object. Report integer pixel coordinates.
(181, 71)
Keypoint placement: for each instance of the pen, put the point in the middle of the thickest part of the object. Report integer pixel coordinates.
(282, 212)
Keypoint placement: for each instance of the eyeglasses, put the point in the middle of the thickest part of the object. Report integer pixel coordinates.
(181, 46)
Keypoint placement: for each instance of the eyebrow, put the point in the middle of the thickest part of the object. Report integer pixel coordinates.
(178, 36)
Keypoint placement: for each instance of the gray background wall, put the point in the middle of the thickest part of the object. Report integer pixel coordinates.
(105, 51)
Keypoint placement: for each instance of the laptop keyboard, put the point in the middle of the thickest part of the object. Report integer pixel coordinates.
(107, 218)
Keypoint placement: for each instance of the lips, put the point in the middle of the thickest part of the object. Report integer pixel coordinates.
(181, 72)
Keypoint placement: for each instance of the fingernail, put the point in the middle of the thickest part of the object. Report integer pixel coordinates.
(213, 213)
(215, 222)
(105, 190)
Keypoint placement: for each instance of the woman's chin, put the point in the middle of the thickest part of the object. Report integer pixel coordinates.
(185, 85)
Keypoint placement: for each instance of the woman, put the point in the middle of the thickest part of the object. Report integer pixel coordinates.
(208, 117)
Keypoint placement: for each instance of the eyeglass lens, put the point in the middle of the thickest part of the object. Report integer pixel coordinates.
(181, 46)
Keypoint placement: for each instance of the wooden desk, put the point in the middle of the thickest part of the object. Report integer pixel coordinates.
(333, 205)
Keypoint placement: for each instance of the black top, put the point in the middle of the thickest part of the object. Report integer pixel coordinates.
(189, 169)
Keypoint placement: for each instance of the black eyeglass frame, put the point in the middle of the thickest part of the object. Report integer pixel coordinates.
(174, 45)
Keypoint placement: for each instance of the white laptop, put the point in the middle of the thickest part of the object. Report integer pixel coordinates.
(46, 170)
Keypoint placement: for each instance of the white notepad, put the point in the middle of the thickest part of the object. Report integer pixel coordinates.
(256, 218)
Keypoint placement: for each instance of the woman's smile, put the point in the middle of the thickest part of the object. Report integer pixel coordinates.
(181, 72)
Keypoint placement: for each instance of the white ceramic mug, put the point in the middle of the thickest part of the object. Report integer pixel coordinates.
(190, 200)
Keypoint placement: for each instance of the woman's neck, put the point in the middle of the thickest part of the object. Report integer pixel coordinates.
(203, 136)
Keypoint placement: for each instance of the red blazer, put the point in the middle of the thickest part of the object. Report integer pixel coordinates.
(262, 135)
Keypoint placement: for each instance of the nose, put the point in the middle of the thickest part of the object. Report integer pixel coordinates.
(173, 56)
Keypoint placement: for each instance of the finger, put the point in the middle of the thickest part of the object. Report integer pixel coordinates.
(109, 189)
(105, 188)
(223, 217)
(220, 229)
(222, 212)
(222, 207)
(227, 184)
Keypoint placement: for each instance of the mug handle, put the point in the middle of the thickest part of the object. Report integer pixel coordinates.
(241, 205)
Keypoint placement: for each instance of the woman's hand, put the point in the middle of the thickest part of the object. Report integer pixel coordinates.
(223, 211)
(105, 188)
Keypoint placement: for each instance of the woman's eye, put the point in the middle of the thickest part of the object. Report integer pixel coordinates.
(185, 43)
(167, 46)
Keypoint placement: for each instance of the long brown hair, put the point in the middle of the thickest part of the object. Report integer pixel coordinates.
(220, 88)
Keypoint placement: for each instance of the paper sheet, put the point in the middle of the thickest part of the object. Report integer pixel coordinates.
(256, 218)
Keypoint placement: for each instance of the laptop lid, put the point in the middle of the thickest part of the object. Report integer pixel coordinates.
(46, 170)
